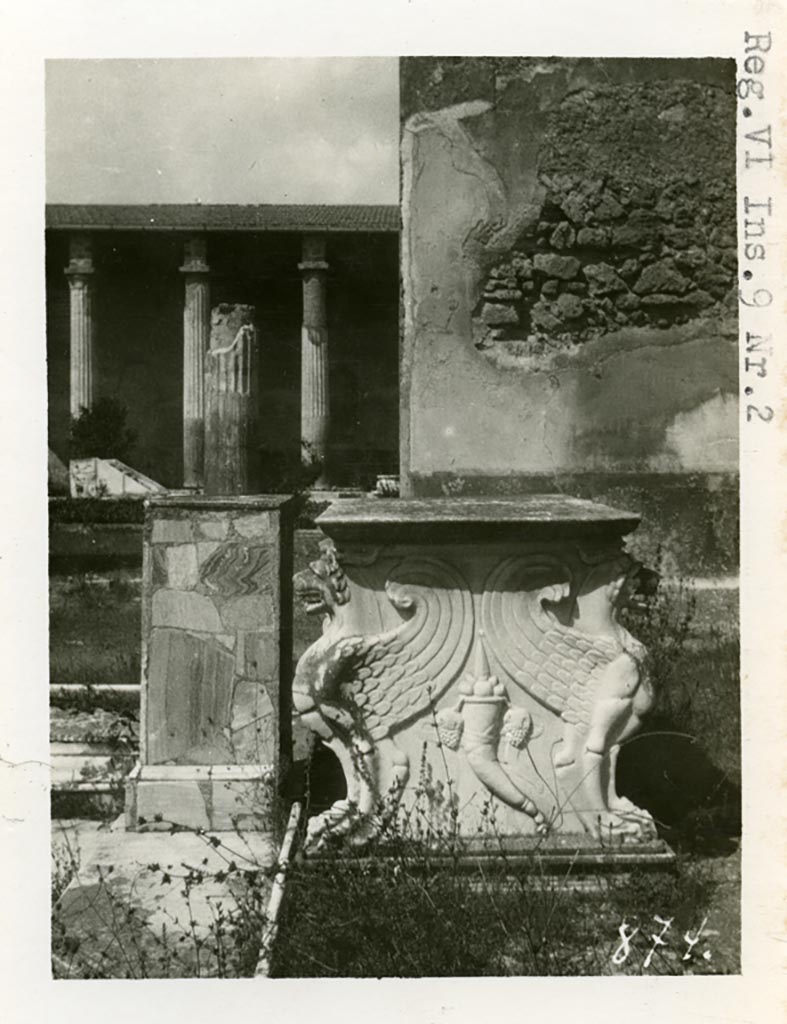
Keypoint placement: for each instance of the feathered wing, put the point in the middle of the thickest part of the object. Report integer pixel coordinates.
(392, 677)
(555, 664)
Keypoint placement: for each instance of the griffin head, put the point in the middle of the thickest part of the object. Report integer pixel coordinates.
(323, 585)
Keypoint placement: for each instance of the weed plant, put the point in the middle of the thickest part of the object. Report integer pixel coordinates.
(411, 903)
(109, 925)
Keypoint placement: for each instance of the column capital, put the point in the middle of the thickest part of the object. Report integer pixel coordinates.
(311, 266)
(195, 253)
(78, 277)
(80, 257)
(313, 248)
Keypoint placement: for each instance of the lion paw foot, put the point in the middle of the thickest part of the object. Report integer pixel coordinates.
(627, 822)
(335, 823)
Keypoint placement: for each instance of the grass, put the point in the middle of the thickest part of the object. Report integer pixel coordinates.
(94, 630)
(398, 911)
(684, 766)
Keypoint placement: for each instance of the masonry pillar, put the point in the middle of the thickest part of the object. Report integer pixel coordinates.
(196, 335)
(80, 280)
(315, 410)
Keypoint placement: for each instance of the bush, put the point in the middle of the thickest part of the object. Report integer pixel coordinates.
(101, 432)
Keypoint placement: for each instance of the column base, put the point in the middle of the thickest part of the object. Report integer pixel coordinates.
(217, 798)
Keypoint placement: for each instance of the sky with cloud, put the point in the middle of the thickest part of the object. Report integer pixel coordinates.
(274, 130)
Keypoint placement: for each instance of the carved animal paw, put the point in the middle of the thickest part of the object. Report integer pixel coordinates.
(627, 822)
(629, 810)
(335, 823)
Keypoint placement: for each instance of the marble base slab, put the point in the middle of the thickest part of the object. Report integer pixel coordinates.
(218, 798)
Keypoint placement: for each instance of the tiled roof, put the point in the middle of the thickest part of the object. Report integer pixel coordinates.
(220, 217)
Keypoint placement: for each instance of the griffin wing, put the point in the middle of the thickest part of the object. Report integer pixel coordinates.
(392, 677)
(556, 665)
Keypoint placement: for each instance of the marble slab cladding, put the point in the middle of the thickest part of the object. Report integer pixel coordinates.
(473, 673)
(215, 736)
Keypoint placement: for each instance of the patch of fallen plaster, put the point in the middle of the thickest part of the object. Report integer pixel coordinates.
(706, 438)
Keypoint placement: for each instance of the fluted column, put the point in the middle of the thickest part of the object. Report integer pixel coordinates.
(315, 405)
(80, 280)
(196, 335)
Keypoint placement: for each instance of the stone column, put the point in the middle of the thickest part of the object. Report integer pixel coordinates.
(231, 396)
(315, 408)
(196, 335)
(80, 273)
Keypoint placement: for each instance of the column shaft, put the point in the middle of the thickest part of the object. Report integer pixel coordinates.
(196, 334)
(315, 403)
(80, 272)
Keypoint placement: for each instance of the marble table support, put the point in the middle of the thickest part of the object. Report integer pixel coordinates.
(473, 667)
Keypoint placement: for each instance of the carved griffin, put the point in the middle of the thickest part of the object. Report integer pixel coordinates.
(356, 690)
(565, 647)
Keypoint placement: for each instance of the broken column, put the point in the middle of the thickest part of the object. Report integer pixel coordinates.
(215, 732)
(315, 405)
(196, 335)
(231, 395)
(80, 280)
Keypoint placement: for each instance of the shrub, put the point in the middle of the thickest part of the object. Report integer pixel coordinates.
(101, 432)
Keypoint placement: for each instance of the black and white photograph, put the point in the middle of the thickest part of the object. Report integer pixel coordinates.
(408, 568)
